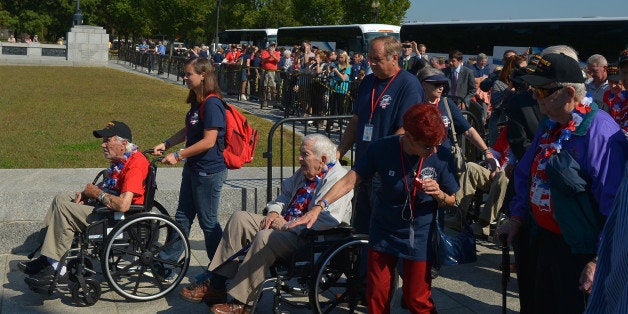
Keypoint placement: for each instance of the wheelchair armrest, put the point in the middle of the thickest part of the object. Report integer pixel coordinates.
(132, 210)
(341, 230)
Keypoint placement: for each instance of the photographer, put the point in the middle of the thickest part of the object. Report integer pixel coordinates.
(410, 60)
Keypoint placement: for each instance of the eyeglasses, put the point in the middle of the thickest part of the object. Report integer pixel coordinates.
(437, 84)
(545, 92)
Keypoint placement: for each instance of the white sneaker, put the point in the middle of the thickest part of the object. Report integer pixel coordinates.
(243, 97)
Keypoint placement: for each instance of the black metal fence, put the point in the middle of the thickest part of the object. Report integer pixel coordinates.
(295, 93)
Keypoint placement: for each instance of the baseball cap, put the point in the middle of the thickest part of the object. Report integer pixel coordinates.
(114, 128)
(555, 67)
(623, 57)
(613, 72)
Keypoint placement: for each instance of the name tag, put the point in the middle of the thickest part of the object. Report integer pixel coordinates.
(368, 133)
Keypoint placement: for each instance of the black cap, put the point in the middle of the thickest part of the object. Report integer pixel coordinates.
(612, 72)
(115, 128)
(623, 57)
(555, 67)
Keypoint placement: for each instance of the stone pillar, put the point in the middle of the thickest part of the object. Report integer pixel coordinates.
(88, 45)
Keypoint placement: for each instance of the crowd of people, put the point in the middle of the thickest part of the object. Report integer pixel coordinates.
(552, 161)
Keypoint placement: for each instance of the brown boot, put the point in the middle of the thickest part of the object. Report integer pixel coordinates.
(195, 292)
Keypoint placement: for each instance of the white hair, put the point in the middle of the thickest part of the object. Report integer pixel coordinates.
(129, 146)
(564, 49)
(597, 60)
(322, 146)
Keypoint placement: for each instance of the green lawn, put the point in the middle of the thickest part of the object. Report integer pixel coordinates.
(47, 114)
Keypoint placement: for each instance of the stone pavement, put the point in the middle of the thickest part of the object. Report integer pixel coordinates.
(471, 288)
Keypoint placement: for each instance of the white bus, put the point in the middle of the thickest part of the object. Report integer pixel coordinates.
(351, 38)
(258, 37)
(606, 36)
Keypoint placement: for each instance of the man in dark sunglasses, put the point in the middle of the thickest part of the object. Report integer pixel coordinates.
(565, 185)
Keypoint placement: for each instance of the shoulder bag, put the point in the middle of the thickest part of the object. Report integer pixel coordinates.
(459, 161)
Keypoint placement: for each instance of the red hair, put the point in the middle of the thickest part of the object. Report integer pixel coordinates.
(424, 123)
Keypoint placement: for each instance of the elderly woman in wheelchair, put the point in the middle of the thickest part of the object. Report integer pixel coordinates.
(92, 224)
(271, 240)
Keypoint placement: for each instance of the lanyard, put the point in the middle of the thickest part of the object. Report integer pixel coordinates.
(374, 103)
(405, 180)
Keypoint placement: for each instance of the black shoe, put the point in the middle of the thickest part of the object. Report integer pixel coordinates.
(34, 266)
(42, 278)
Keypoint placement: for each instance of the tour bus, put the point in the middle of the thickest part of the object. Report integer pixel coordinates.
(588, 36)
(351, 38)
(258, 37)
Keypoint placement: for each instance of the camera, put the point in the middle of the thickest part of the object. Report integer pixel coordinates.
(406, 46)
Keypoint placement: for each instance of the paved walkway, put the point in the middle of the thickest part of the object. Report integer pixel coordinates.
(471, 288)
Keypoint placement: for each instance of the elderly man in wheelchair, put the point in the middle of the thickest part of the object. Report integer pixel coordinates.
(69, 214)
(271, 238)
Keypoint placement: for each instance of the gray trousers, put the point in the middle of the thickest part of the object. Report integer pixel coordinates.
(63, 219)
(266, 247)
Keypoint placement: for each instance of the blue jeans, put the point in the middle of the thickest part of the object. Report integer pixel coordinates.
(199, 196)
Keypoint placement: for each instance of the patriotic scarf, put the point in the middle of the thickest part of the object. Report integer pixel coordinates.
(300, 202)
(110, 183)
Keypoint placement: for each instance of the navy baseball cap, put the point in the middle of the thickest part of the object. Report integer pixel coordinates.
(555, 67)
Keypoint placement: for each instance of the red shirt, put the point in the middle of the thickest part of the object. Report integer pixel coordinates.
(271, 63)
(132, 177)
(232, 56)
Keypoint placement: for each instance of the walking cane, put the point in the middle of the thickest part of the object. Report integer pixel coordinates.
(503, 238)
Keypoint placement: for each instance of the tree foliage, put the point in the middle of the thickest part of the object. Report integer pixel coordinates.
(189, 20)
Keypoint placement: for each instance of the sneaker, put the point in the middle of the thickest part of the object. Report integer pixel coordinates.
(34, 266)
(243, 97)
(195, 292)
(42, 278)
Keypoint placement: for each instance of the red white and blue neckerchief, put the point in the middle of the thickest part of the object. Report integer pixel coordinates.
(300, 202)
(619, 109)
(551, 143)
(110, 183)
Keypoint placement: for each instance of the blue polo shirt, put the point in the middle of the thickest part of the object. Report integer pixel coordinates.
(460, 122)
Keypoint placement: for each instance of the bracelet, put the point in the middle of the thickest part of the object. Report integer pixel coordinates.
(326, 203)
(176, 156)
(101, 196)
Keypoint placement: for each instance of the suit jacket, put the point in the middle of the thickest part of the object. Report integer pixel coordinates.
(338, 211)
(414, 64)
(465, 86)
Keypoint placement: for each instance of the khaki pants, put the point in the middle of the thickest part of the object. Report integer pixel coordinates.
(266, 247)
(478, 178)
(63, 219)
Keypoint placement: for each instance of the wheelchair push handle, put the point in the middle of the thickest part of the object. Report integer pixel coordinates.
(149, 154)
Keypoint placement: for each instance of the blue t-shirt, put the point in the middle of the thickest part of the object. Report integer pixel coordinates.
(390, 219)
(211, 161)
(401, 94)
(460, 122)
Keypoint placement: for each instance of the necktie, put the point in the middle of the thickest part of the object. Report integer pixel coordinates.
(454, 82)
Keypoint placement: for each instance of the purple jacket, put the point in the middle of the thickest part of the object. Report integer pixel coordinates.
(599, 148)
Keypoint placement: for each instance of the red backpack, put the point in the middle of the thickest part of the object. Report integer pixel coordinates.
(240, 137)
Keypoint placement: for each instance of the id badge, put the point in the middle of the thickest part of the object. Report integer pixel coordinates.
(368, 133)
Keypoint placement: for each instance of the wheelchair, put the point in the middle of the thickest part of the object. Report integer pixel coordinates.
(327, 269)
(127, 246)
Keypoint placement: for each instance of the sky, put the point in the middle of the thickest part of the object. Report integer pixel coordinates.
(471, 10)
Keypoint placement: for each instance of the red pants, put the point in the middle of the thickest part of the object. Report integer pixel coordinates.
(417, 283)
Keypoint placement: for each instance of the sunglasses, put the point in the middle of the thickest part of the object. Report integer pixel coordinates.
(545, 92)
(437, 84)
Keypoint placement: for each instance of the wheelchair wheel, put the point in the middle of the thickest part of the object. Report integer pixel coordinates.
(145, 257)
(85, 296)
(337, 283)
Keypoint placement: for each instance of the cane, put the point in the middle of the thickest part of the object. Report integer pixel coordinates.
(503, 238)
